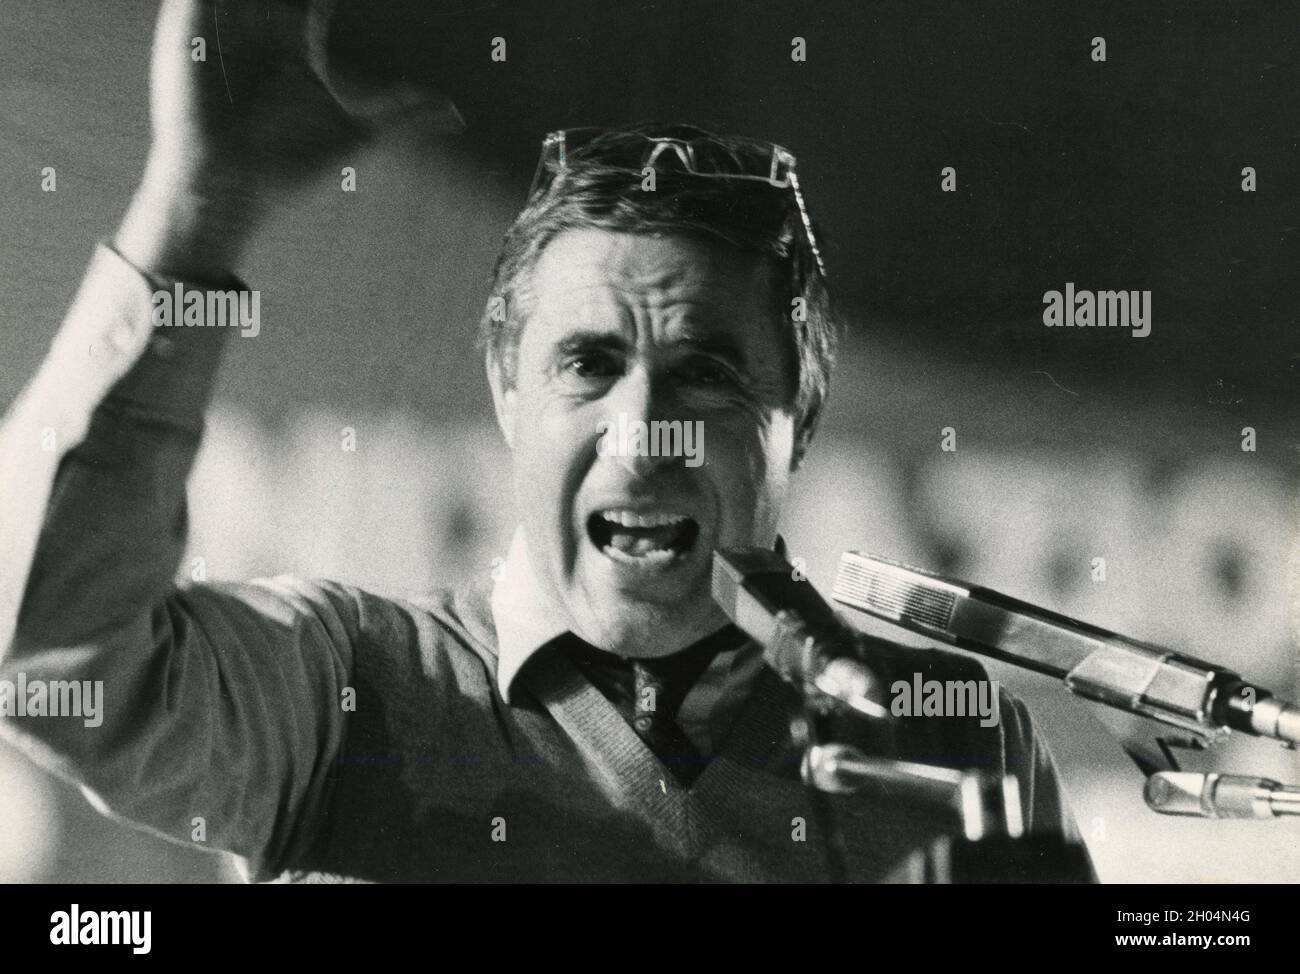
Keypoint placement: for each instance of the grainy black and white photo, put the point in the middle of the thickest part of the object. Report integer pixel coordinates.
(664, 442)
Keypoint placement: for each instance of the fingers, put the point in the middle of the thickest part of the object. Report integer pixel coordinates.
(371, 104)
(320, 14)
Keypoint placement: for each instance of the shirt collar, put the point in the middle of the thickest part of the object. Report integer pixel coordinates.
(525, 619)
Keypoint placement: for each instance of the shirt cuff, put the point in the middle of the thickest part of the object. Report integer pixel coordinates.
(109, 348)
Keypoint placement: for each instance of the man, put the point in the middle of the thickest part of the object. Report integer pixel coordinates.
(591, 716)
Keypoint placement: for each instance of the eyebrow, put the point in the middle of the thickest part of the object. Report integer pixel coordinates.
(591, 340)
(722, 346)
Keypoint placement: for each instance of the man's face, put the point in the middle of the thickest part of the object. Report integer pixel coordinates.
(623, 330)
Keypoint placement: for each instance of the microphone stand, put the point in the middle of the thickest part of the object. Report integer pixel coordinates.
(981, 805)
(990, 843)
(1203, 699)
(1170, 790)
(818, 654)
(1220, 795)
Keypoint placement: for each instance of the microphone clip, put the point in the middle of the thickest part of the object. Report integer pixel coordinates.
(823, 667)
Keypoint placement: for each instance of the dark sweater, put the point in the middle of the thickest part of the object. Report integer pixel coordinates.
(582, 798)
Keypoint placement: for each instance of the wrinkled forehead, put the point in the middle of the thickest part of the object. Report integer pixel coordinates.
(668, 287)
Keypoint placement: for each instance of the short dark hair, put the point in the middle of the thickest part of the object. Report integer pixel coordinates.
(750, 216)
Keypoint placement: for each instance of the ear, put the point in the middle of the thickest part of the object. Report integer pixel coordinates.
(803, 436)
(504, 398)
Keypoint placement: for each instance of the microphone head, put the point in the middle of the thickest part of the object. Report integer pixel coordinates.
(1176, 793)
(896, 593)
(731, 566)
(804, 641)
(754, 585)
(725, 586)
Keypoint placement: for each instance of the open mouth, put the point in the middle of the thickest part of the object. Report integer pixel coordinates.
(642, 538)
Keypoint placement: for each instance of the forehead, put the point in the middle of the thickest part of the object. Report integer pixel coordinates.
(624, 282)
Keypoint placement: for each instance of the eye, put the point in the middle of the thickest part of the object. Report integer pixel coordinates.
(706, 372)
(592, 365)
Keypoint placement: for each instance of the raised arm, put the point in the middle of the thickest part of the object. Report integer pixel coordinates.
(209, 711)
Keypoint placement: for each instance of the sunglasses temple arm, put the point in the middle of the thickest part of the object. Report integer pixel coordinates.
(807, 223)
(552, 146)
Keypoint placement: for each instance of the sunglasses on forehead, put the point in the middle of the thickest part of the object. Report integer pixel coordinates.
(703, 156)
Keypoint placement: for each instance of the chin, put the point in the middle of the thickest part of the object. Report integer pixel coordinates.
(633, 628)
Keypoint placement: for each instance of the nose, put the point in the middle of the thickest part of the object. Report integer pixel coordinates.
(632, 407)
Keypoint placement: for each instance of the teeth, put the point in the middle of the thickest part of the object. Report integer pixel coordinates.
(651, 559)
(631, 519)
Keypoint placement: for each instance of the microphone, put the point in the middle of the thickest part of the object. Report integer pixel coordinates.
(1191, 694)
(1220, 795)
(803, 639)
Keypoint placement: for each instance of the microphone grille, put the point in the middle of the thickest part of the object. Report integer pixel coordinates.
(887, 591)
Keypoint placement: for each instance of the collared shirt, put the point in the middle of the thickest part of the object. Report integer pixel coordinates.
(526, 621)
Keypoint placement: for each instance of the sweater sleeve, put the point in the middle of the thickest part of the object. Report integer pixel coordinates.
(207, 713)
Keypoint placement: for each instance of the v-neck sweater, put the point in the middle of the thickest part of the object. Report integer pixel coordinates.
(445, 781)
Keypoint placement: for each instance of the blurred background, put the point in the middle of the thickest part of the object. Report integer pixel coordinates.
(1072, 445)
